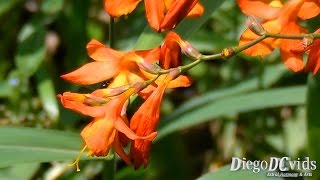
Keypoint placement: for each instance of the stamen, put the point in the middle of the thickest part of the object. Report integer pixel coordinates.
(76, 162)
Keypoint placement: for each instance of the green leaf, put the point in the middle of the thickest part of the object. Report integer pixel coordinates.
(47, 94)
(6, 5)
(150, 38)
(31, 48)
(52, 6)
(235, 104)
(188, 26)
(225, 173)
(269, 77)
(24, 145)
(313, 123)
(20, 171)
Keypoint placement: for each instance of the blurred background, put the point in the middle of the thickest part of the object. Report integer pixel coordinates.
(249, 107)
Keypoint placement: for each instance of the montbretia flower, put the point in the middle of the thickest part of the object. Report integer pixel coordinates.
(278, 18)
(123, 67)
(108, 123)
(161, 15)
(144, 122)
(312, 47)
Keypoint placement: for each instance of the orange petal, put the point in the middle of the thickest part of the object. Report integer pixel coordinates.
(176, 12)
(99, 135)
(292, 60)
(121, 126)
(99, 52)
(264, 47)
(119, 150)
(155, 11)
(150, 56)
(93, 72)
(116, 8)
(196, 11)
(139, 153)
(180, 81)
(309, 9)
(170, 54)
(313, 63)
(258, 8)
(93, 111)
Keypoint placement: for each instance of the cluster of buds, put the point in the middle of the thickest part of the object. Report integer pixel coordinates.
(147, 73)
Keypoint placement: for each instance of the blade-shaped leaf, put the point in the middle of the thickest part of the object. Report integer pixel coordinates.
(313, 123)
(225, 173)
(235, 104)
(269, 77)
(24, 145)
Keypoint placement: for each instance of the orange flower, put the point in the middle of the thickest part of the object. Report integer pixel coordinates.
(278, 19)
(109, 63)
(312, 47)
(161, 15)
(109, 121)
(145, 121)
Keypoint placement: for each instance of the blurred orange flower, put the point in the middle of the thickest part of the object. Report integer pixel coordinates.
(278, 19)
(161, 15)
(312, 47)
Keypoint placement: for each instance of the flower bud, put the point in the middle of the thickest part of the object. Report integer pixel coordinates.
(255, 26)
(189, 50)
(149, 67)
(109, 92)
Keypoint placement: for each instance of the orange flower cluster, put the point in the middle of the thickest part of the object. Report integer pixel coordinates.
(133, 72)
(282, 18)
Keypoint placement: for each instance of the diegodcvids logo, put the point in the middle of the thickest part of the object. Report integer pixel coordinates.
(282, 164)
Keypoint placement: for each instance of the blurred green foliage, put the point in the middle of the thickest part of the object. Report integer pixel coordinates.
(244, 107)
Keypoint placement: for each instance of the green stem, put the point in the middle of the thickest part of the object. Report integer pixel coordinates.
(291, 36)
(111, 33)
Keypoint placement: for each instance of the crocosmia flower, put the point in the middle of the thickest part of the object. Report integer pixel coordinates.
(312, 47)
(161, 14)
(278, 18)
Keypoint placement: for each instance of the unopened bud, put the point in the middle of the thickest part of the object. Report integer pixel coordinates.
(109, 92)
(94, 100)
(188, 50)
(255, 26)
(149, 67)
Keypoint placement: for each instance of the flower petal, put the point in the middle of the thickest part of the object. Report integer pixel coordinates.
(99, 135)
(155, 11)
(93, 111)
(119, 149)
(93, 72)
(117, 8)
(309, 9)
(196, 11)
(264, 47)
(170, 53)
(258, 8)
(99, 52)
(121, 126)
(313, 63)
(176, 12)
